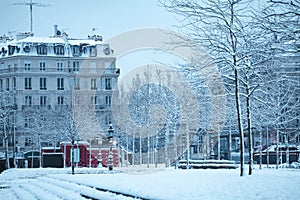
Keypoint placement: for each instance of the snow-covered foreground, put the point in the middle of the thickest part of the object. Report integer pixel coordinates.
(163, 183)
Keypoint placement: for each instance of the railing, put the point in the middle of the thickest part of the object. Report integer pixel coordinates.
(36, 107)
(107, 71)
(101, 107)
(62, 107)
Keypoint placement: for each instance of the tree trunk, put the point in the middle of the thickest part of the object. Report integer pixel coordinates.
(219, 146)
(277, 148)
(267, 147)
(7, 165)
(233, 41)
(140, 150)
(260, 149)
(148, 151)
(187, 151)
(230, 144)
(133, 151)
(238, 110)
(72, 157)
(249, 130)
(287, 152)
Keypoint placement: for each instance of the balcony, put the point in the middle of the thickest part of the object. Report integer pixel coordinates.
(101, 107)
(36, 107)
(61, 107)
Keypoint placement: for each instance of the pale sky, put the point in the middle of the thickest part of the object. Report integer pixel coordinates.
(78, 17)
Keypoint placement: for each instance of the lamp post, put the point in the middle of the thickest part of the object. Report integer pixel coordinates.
(72, 156)
(110, 131)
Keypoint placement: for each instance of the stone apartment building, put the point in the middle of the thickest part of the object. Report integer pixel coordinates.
(40, 75)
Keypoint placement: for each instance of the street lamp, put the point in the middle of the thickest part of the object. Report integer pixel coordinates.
(110, 131)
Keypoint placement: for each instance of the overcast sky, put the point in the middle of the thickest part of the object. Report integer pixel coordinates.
(78, 17)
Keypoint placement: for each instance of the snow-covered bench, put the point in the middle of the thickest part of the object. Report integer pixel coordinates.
(208, 164)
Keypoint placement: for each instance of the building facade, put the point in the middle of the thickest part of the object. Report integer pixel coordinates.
(43, 76)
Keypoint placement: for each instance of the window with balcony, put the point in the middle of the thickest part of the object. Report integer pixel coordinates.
(42, 66)
(28, 100)
(75, 66)
(43, 101)
(108, 83)
(14, 83)
(94, 100)
(7, 84)
(60, 100)
(60, 84)
(93, 83)
(28, 84)
(43, 84)
(42, 50)
(59, 66)
(77, 84)
(108, 101)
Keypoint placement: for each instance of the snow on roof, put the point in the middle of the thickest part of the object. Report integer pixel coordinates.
(76, 142)
(42, 40)
(52, 40)
(84, 41)
(16, 46)
(273, 147)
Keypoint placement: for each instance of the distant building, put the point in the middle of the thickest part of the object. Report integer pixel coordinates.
(275, 107)
(40, 75)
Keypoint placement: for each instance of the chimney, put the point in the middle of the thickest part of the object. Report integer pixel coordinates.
(55, 30)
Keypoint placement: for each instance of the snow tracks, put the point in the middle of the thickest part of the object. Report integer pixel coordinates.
(48, 188)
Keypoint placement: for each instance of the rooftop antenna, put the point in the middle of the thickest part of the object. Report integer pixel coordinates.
(94, 31)
(31, 4)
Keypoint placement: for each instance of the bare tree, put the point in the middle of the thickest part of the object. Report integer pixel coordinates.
(282, 105)
(40, 127)
(7, 108)
(281, 19)
(5, 113)
(218, 26)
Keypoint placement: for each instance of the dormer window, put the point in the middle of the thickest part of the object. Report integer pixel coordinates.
(59, 50)
(93, 51)
(75, 50)
(11, 49)
(42, 50)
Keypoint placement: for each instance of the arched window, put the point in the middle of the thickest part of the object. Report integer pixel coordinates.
(42, 50)
(59, 50)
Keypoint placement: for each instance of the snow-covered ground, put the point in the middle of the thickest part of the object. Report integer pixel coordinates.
(155, 183)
